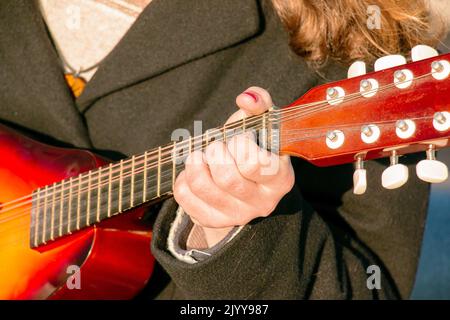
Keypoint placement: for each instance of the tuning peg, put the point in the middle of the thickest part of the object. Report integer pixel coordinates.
(422, 52)
(389, 62)
(431, 170)
(441, 121)
(359, 177)
(440, 70)
(395, 175)
(358, 68)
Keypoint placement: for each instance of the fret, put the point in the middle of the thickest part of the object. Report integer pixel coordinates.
(61, 208)
(69, 209)
(158, 183)
(144, 186)
(37, 215)
(88, 200)
(243, 125)
(174, 164)
(44, 224)
(99, 193)
(132, 182)
(109, 190)
(120, 186)
(270, 125)
(206, 139)
(79, 201)
(190, 146)
(264, 132)
(52, 221)
(199, 142)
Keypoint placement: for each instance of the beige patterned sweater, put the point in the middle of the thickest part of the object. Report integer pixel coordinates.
(86, 31)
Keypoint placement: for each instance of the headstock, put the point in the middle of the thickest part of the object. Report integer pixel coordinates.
(398, 109)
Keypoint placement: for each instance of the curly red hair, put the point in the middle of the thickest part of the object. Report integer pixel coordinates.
(321, 30)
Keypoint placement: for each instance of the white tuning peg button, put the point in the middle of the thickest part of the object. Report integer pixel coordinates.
(431, 170)
(359, 177)
(359, 181)
(358, 68)
(396, 175)
(422, 52)
(389, 62)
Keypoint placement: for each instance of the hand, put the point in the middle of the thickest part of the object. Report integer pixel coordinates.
(226, 186)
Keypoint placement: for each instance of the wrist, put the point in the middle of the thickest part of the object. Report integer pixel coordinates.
(214, 235)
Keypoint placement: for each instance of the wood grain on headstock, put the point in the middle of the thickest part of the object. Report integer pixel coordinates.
(305, 136)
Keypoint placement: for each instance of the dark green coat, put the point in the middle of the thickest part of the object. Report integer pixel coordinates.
(188, 60)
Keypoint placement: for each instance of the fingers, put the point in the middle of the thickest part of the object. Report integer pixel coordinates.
(209, 211)
(200, 212)
(201, 183)
(254, 101)
(259, 165)
(225, 172)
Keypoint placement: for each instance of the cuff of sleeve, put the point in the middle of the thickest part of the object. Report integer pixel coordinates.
(179, 234)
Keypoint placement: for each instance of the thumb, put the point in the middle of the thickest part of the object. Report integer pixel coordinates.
(253, 101)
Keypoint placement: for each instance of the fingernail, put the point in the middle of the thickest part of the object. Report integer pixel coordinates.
(252, 94)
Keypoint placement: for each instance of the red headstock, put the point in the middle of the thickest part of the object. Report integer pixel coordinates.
(341, 121)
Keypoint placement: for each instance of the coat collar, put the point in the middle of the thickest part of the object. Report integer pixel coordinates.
(168, 34)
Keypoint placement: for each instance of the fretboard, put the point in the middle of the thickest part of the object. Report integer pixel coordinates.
(82, 201)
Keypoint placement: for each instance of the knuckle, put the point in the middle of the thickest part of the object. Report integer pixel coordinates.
(249, 169)
(180, 192)
(188, 161)
(194, 159)
(197, 184)
(230, 182)
(241, 147)
(214, 151)
(194, 163)
(288, 182)
(283, 181)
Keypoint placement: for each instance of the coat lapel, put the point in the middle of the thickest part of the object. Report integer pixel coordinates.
(170, 33)
(33, 92)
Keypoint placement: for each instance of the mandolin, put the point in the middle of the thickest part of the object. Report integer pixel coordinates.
(67, 212)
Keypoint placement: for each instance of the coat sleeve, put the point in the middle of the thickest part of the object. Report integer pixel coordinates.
(296, 253)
